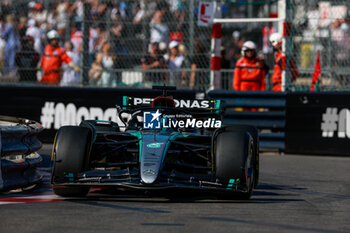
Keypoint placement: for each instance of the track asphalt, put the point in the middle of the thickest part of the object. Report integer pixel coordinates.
(296, 194)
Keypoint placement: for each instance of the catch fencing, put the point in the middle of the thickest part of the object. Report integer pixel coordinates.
(112, 41)
(321, 26)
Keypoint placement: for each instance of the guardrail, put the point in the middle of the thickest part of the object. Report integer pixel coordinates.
(264, 110)
(19, 159)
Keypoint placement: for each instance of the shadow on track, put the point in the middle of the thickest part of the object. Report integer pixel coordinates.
(264, 194)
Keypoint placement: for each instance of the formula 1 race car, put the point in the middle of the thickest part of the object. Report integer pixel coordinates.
(163, 143)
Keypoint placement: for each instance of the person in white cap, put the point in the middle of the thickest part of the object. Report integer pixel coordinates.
(175, 61)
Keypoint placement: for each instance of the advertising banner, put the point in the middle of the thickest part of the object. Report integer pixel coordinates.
(318, 123)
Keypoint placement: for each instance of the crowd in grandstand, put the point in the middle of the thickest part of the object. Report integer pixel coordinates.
(24, 27)
(145, 34)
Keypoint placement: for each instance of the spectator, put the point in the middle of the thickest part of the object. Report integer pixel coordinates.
(162, 48)
(61, 30)
(186, 63)
(175, 62)
(93, 37)
(31, 9)
(151, 62)
(117, 32)
(52, 19)
(179, 13)
(52, 60)
(339, 34)
(182, 52)
(249, 74)
(117, 10)
(27, 60)
(107, 61)
(178, 36)
(234, 51)
(70, 76)
(276, 42)
(40, 16)
(266, 33)
(36, 34)
(11, 37)
(78, 9)
(22, 26)
(62, 13)
(76, 38)
(137, 19)
(159, 31)
(118, 43)
(199, 78)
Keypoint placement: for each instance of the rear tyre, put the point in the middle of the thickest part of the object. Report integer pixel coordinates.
(71, 156)
(234, 160)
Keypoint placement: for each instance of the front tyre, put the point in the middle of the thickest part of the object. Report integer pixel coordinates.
(71, 156)
(255, 134)
(234, 161)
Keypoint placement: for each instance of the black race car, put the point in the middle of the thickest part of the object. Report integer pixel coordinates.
(170, 144)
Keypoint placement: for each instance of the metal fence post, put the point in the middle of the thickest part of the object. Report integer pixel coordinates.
(85, 48)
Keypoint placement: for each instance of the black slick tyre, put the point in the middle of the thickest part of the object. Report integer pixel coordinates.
(71, 156)
(233, 160)
(255, 134)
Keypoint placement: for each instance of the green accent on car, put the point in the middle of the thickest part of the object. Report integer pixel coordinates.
(230, 184)
(125, 101)
(155, 145)
(103, 121)
(218, 103)
(137, 134)
(70, 177)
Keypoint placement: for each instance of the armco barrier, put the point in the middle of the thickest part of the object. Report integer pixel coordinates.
(18, 146)
(264, 110)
